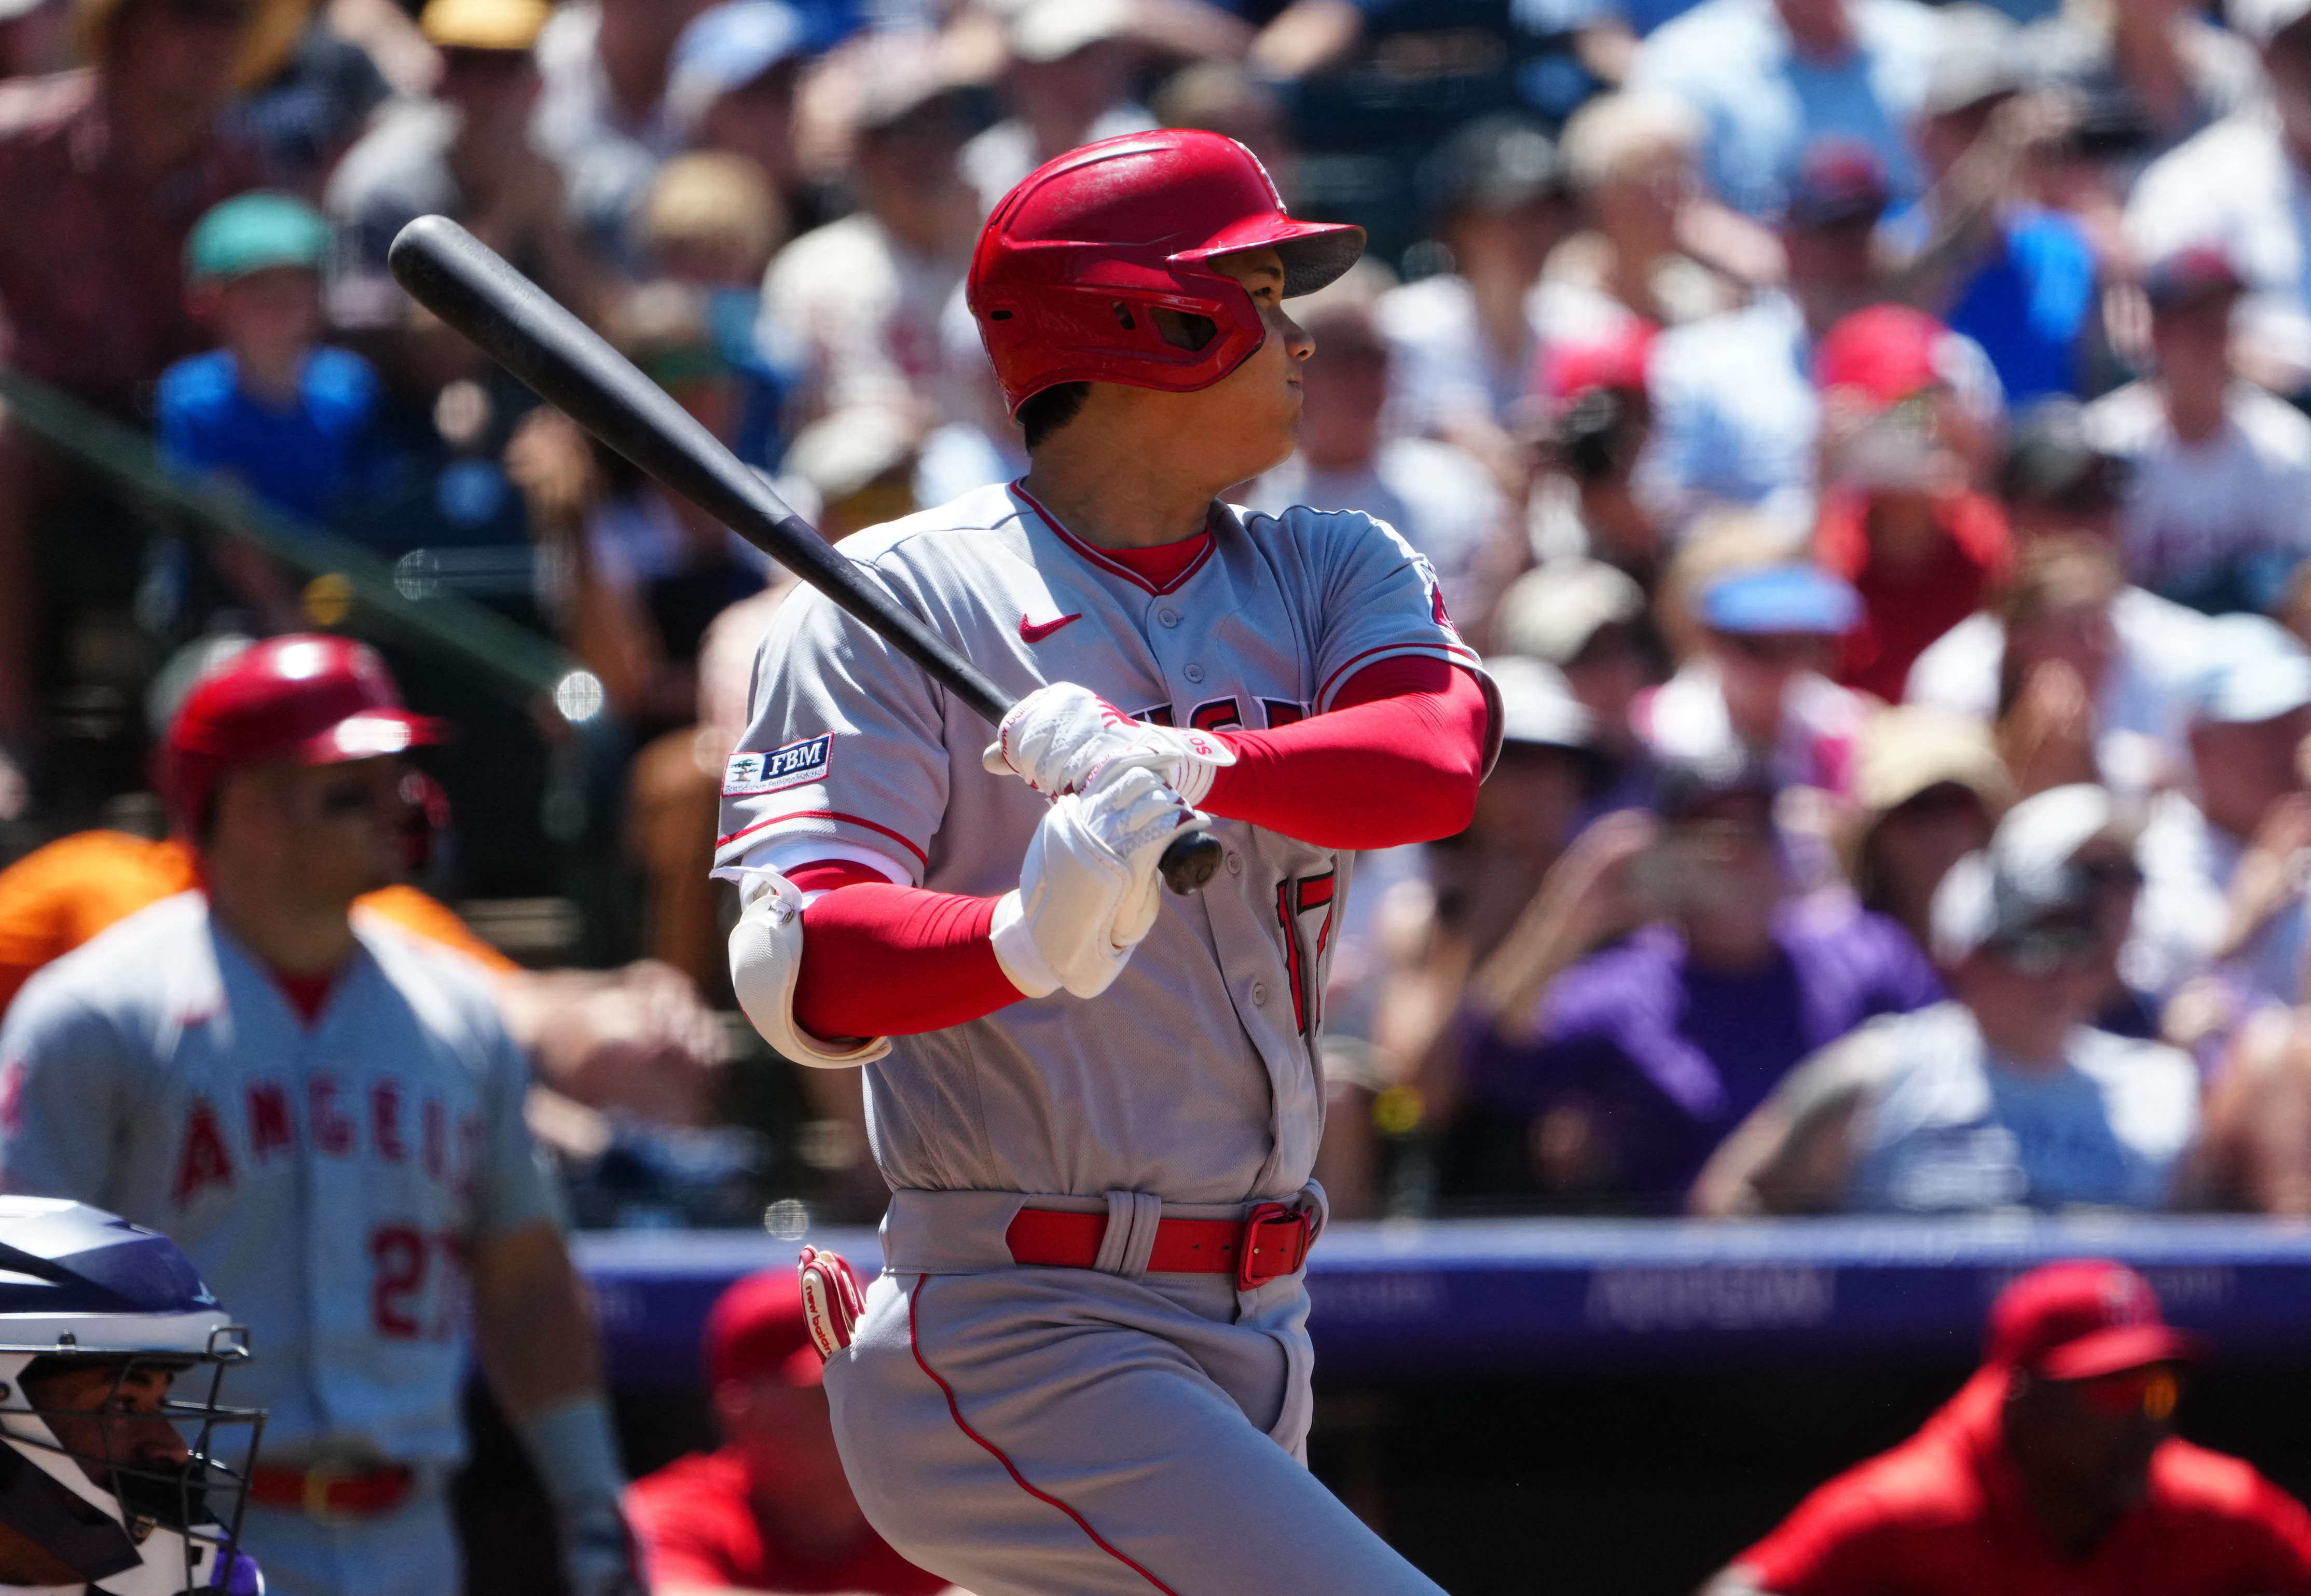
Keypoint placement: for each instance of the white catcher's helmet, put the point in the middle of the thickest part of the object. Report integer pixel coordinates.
(82, 1287)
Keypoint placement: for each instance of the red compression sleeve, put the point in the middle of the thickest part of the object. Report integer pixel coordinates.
(880, 960)
(1398, 759)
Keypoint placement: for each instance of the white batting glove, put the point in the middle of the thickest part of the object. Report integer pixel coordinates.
(1088, 890)
(1059, 739)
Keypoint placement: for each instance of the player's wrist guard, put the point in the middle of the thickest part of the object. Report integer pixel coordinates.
(766, 960)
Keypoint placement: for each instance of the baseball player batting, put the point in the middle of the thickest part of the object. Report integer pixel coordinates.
(1085, 1367)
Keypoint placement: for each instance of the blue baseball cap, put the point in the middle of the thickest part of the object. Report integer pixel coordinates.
(727, 47)
(1781, 598)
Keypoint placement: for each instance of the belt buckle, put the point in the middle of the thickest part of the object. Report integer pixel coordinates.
(1275, 1243)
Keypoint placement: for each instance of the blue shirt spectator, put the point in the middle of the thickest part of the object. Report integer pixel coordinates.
(2030, 304)
(303, 457)
(1768, 98)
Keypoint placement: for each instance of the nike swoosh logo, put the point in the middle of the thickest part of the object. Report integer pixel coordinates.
(1035, 632)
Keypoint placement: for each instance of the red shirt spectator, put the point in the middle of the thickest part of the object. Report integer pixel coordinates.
(2051, 1471)
(1898, 519)
(104, 173)
(772, 1510)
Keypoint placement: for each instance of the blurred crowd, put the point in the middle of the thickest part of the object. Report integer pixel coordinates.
(1866, 439)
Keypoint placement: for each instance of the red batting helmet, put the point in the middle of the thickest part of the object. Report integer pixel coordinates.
(312, 699)
(1073, 258)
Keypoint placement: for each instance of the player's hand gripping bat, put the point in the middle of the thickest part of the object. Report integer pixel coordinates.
(467, 284)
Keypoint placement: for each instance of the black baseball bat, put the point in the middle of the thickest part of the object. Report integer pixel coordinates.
(470, 285)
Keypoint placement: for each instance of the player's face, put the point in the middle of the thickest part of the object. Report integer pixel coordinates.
(1252, 414)
(343, 823)
(105, 1417)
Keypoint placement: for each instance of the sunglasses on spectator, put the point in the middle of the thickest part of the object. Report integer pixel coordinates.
(196, 11)
(2112, 875)
(2152, 1392)
(1944, 800)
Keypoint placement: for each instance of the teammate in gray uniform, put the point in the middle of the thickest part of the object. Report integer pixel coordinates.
(1085, 1368)
(326, 1112)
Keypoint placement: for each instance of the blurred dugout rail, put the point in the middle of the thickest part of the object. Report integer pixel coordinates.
(128, 556)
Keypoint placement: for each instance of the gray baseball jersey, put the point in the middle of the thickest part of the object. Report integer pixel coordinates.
(326, 1182)
(1194, 1076)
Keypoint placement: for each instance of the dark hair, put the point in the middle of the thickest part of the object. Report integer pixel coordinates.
(1048, 410)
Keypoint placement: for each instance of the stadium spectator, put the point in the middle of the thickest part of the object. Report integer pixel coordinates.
(1225, 98)
(1629, 160)
(855, 304)
(2166, 68)
(1463, 340)
(2222, 855)
(1439, 497)
(1504, 880)
(465, 153)
(1598, 419)
(1928, 788)
(711, 221)
(1066, 83)
(770, 1510)
(1773, 78)
(1736, 417)
(638, 573)
(1899, 516)
(978, 442)
(2006, 271)
(291, 419)
(732, 88)
(2232, 188)
(2005, 1096)
(2055, 1467)
(603, 116)
(1618, 1075)
(1755, 683)
(2218, 500)
(1588, 620)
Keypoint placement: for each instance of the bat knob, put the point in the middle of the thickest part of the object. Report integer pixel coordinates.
(1190, 861)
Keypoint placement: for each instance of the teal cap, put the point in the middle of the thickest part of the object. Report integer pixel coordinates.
(252, 232)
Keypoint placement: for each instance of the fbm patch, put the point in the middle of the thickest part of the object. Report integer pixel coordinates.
(780, 768)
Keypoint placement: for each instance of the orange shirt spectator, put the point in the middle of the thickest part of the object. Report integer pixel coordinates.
(58, 897)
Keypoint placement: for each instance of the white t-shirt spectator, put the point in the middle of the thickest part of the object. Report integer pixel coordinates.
(1686, 718)
(2142, 713)
(1735, 416)
(2236, 187)
(1441, 365)
(1733, 61)
(1444, 502)
(860, 313)
(2185, 910)
(2194, 509)
(1945, 1126)
(607, 162)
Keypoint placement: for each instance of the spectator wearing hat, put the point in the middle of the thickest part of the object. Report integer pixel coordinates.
(1463, 341)
(1067, 82)
(1772, 78)
(2164, 68)
(2233, 187)
(2016, 277)
(732, 89)
(1612, 1081)
(2005, 1096)
(855, 305)
(1507, 879)
(771, 1509)
(2219, 501)
(1756, 683)
(291, 419)
(1598, 418)
(1588, 620)
(465, 153)
(1900, 518)
(2055, 1468)
(1737, 418)
(2223, 855)
(1437, 494)
(603, 116)
(1928, 788)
